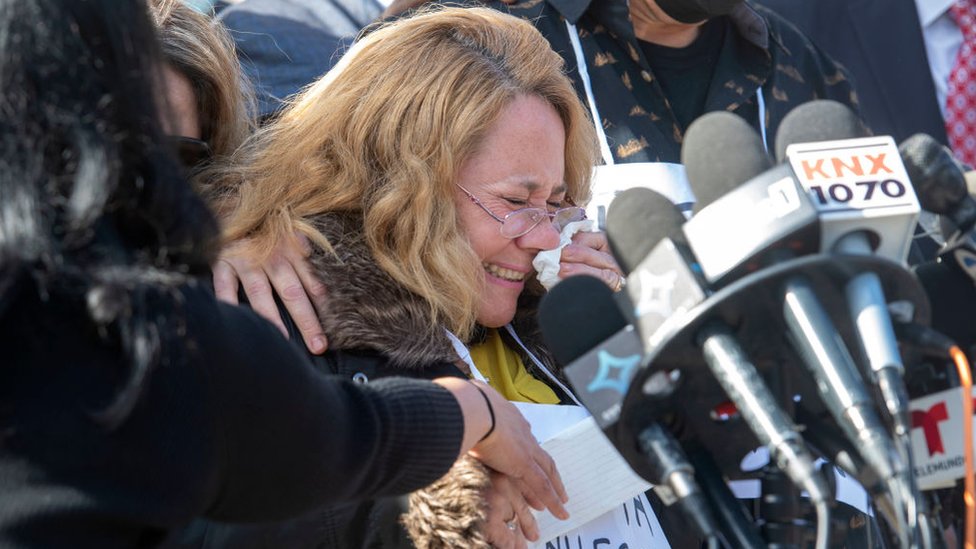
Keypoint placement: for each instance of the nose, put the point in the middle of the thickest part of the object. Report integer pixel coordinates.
(544, 236)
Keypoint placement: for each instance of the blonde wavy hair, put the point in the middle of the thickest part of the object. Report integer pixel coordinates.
(384, 134)
(199, 47)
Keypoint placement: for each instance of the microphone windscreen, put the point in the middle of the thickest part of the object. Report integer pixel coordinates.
(578, 314)
(721, 151)
(637, 220)
(821, 120)
(937, 177)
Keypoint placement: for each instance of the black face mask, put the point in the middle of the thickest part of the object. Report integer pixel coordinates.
(695, 11)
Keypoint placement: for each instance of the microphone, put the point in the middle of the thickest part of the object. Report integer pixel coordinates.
(586, 332)
(775, 219)
(584, 328)
(644, 231)
(944, 188)
(767, 210)
(858, 183)
(637, 220)
(817, 121)
(740, 157)
(865, 198)
(866, 302)
(647, 213)
(939, 180)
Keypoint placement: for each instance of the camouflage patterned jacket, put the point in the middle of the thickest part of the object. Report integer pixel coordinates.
(762, 51)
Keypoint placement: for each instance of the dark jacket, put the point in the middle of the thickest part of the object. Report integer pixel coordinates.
(881, 44)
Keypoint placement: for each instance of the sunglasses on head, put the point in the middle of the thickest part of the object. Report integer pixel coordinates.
(191, 152)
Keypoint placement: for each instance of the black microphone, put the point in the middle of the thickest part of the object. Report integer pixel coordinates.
(939, 180)
(728, 362)
(644, 231)
(944, 188)
(584, 328)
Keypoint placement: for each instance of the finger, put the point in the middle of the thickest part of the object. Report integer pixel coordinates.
(536, 486)
(609, 277)
(225, 282)
(318, 341)
(520, 541)
(595, 240)
(521, 512)
(304, 246)
(575, 253)
(548, 465)
(261, 297)
(526, 520)
(288, 283)
(498, 534)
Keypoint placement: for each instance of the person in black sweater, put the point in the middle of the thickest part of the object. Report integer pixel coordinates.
(130, 400)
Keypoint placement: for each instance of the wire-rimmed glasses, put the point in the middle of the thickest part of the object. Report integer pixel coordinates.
(523, 220)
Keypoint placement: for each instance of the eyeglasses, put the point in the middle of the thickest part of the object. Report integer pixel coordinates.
(192, 153)
(521, 221)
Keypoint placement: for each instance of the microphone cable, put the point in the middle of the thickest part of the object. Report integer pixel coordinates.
(969, 496)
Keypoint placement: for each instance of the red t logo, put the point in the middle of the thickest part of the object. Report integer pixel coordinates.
(929, 422)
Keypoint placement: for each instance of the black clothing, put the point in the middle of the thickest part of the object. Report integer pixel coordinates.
(762, 51)
(681, 71)
(237, 427)
(881, 43)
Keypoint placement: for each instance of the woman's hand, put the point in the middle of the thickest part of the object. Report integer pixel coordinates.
(510, 447)
(510, 521)
(288, 272)
(589, 254)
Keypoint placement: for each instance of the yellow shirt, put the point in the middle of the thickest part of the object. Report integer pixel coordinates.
(506, 373)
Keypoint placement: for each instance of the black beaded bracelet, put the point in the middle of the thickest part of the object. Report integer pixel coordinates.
(491, 412)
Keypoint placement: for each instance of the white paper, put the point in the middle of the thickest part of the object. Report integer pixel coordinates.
(596, 477)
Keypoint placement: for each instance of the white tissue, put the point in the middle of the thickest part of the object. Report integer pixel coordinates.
(546, 263)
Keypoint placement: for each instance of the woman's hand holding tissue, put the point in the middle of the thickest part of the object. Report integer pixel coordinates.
(581, 251)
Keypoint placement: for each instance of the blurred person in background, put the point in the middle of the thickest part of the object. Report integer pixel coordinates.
(210, 100)
(287, 44)
(899, 52)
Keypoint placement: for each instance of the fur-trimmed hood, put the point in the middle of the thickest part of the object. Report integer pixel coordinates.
(366, 309)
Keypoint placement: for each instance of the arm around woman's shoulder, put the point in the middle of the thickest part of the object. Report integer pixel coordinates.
(293, 438)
